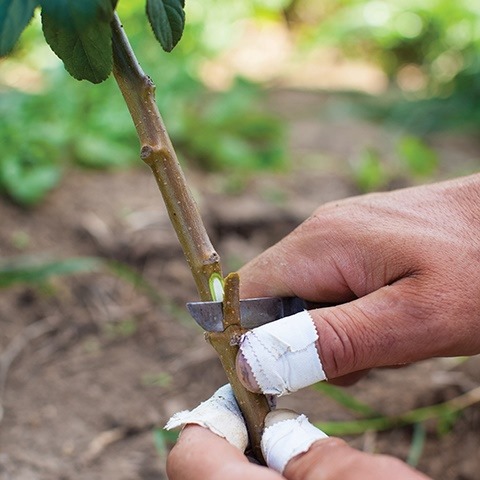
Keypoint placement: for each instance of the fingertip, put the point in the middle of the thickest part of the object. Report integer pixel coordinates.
(189, 458)
(279, 415)
(179, 457)
(200, 454)
(245, 374)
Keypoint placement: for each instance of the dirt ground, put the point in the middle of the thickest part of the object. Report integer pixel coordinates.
(93, 364)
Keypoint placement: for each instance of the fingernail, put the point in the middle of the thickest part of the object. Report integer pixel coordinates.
(279, 415)
(245, 375)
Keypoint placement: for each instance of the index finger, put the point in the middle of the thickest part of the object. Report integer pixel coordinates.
(202, 455)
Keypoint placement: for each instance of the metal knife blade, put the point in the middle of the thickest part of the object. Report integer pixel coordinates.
(254, 312)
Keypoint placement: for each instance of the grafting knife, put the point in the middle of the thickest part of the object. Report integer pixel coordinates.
(254, 312)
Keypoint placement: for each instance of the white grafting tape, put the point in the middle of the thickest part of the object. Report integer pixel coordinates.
(287, 438)
(282, 355)
(220, 414)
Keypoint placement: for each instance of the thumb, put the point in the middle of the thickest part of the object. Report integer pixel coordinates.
(386, 327)
(332, 459)
(389, 326)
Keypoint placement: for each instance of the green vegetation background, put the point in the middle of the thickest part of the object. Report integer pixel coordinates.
(60, 122)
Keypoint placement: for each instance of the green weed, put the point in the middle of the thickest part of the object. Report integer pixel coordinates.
(161, 379)
(420, 160)
(164, 440)
(120, 330)
(447, 410)
(413, 159)
(343, 398)
(37, 270)
(368, 171)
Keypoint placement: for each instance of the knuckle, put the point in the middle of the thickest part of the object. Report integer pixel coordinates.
(337, 350)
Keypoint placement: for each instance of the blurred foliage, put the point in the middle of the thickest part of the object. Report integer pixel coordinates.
(429, 50)
(68, 122)
(121, 329)
(164, 440)
(413, 158)
(440, 37)
(420, 159)
(454, 111)
(368, 171)
(36, 270)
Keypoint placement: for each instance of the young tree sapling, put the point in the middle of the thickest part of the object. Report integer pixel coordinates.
(89, 38)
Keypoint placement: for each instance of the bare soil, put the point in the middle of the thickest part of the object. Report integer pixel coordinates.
(94, 364)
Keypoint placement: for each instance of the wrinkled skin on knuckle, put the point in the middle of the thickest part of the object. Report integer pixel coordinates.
(326, 244)
(367, 252)
(337, 351)
(367, 334)
(291, 267)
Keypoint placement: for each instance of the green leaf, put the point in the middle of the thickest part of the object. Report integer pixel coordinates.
(81, 36)
(167, 18)
(14, 17)
(73, 14)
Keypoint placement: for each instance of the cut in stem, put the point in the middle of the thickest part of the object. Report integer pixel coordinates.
(254, 406)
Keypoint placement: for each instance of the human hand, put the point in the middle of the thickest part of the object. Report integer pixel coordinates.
(201, 454)
(404, 265)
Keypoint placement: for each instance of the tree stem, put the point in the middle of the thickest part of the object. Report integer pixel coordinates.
(157, 152)
(254, 407)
